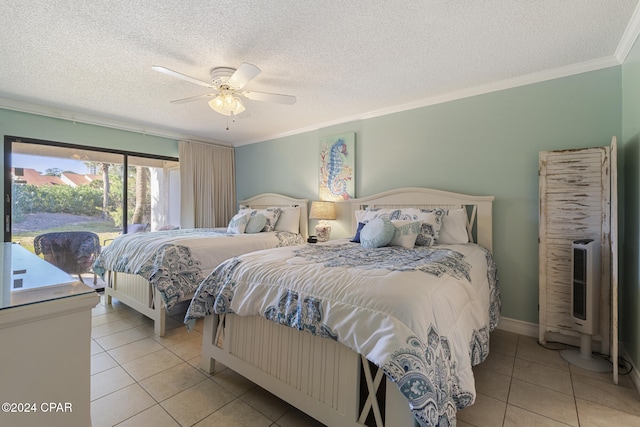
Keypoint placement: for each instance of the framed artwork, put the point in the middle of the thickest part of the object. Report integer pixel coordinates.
(337, 167)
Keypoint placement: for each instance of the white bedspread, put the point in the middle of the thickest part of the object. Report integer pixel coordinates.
(176, 261)
(423, 314)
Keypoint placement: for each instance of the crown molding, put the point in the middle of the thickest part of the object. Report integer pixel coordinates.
(58, 113)
(629, 37)
(573, 69)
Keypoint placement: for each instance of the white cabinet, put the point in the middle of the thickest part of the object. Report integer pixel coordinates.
(577, 188)
(45, 344)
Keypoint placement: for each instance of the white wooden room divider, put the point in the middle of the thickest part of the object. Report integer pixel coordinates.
(578, 200)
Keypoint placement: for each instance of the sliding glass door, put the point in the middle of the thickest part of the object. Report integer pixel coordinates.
(55, 187)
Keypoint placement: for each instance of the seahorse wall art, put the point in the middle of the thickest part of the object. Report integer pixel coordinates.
(336, 167)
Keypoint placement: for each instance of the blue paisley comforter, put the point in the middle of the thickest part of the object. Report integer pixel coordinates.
(423, 314)
(176, 261)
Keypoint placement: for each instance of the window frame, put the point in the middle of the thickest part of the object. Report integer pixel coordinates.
(8, 144)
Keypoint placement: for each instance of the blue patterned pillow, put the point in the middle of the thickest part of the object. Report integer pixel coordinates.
(238, 223)
(377, 233)
(431, 222)
(272, 215)
(392, 214)
(256, 223)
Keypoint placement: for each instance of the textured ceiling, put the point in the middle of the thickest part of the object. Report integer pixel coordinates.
(343, 60)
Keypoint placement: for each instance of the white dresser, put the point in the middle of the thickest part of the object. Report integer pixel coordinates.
(45, 330)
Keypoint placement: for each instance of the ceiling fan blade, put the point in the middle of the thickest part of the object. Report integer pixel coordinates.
(269, 97)
(180, 76)
(243, 75)
(193, 98)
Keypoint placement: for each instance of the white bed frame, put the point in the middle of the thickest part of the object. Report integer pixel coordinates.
(321, 377)
(136, 292)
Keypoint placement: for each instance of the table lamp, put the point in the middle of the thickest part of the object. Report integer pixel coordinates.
(323, 211)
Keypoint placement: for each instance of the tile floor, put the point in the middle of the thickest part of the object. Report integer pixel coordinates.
(157, 382)
(524, 384)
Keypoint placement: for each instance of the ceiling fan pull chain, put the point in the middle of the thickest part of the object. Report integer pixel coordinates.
(233, 119)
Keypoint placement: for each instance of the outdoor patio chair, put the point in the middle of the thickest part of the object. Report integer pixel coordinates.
(71, 251)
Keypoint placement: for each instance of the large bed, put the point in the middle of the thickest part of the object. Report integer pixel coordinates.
(355, 334)
(151, 272)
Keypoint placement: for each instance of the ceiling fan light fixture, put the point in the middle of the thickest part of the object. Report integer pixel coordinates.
(227, 104)
(228, 84)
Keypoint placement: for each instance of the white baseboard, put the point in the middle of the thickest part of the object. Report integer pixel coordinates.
(518, 327)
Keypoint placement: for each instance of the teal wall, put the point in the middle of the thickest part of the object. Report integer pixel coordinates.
(483, 145)
(33, 126)
(51, 129)
(630, 189)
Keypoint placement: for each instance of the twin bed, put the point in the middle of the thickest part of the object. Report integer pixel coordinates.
(358, 335)
(151, 272)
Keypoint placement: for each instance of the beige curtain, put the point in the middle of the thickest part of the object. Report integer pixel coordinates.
(207, 185)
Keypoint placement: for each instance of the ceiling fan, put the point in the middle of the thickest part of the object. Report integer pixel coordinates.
(228, 83)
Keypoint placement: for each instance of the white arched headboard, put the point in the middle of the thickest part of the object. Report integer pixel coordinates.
(479, 208)
(266, 200)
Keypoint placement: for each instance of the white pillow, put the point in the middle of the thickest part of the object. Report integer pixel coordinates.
(373, 213)
(454, 228)
(405, 233)
(377, 233)
(238, 223)
(256, 223)
(289, 220)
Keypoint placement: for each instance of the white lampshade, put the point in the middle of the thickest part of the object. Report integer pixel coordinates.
(323, 210)
(227, 104)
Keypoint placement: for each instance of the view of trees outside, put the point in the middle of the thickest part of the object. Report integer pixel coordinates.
(92, 206)
(99, 197)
